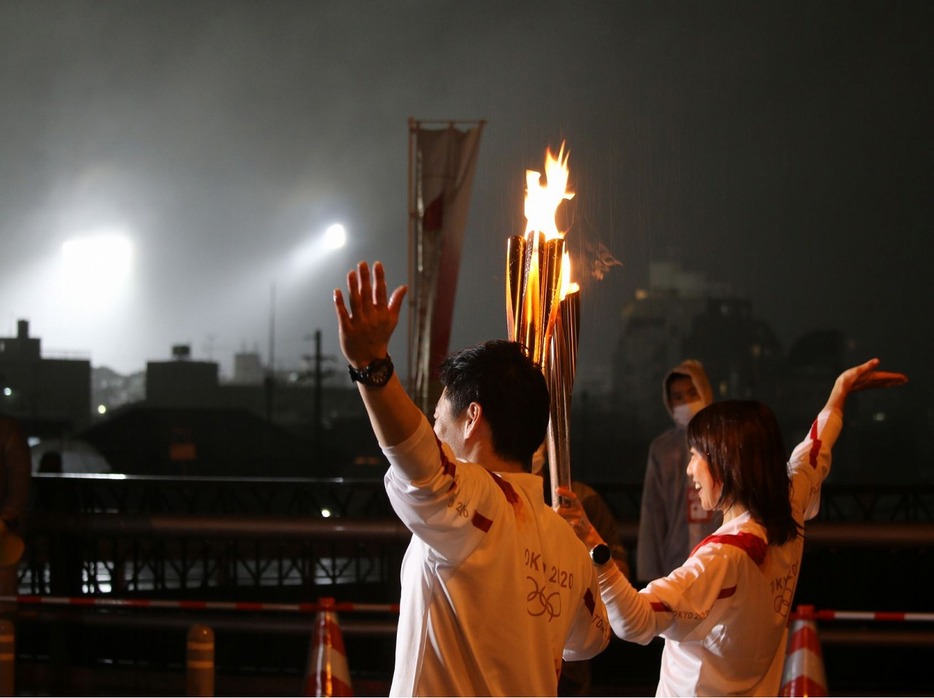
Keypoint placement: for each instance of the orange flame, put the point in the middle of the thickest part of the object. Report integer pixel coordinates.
(541, 208)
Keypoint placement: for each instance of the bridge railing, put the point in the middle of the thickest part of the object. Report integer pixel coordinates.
(365, 497)
(270, 541)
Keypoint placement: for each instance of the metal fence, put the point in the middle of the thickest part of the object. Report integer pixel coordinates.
(365, 497)
(299, 537)
(294, 541)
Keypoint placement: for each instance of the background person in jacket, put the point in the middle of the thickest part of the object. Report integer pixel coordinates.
(671, 519)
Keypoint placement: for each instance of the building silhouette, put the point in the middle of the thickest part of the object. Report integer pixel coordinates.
(50, 396)
(681, 315)
(258, 424)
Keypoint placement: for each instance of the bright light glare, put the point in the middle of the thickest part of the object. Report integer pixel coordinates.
(313, 250)
(326, 513)
(102, 409)
(95, 269)
(335, 236)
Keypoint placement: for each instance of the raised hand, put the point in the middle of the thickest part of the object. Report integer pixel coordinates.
(367, 326)
(862, 377)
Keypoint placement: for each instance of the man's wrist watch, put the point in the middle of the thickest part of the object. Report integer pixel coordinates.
(375, 374)
(600, 554)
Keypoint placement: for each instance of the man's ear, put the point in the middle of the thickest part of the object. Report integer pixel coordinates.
(474, 414)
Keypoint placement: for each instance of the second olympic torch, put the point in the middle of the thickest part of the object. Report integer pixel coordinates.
(543, 306)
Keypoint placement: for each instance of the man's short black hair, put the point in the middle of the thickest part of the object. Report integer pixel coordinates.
(500, 377)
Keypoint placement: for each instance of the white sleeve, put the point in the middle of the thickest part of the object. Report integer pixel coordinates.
(629, 611)
(809, 463)
(451, 510)
(590, 632)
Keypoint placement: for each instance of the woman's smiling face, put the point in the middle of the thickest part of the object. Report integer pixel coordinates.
(707, 488)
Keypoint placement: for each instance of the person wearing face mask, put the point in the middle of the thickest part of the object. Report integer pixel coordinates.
(672, 520)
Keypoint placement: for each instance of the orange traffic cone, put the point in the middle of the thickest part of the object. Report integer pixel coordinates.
(803, 674)
(327, 673)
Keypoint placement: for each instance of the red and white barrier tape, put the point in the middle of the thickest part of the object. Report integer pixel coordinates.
(806, 613)
(873, 616)
(98, 601)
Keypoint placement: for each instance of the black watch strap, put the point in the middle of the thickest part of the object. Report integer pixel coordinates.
(375, 374)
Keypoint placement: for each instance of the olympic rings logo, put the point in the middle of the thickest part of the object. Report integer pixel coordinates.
(539, 602)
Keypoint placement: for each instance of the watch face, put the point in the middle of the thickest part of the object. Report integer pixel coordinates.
(380, 372)
(600, 554)
(377, 373)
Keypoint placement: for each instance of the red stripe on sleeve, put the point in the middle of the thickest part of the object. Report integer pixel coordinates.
(589, 601)
(815, 446)
(481, 522)
(727, 592)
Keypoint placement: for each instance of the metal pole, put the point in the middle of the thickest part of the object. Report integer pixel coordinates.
(412, 278)
(317, 425)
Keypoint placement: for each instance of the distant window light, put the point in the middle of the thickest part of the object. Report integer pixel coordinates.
(326, 513)
(878, 417)
(8, 391)
(102, 409)
(641, 294)
(723, 388)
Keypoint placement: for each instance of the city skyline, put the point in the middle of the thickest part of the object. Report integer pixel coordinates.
(778, 149)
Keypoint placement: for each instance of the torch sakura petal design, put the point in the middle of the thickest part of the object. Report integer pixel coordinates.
(543, 307)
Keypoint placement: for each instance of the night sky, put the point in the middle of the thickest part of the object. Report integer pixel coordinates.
(783, 149)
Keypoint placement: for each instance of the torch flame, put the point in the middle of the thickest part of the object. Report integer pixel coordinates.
(541, 208)
(541, 202)
(567, 286)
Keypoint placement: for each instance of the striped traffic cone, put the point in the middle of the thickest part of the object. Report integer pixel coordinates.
(803, 674)
(199, 665)
(328, 674)
(7, 658)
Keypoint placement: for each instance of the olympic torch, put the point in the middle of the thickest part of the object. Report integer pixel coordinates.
(543, 306)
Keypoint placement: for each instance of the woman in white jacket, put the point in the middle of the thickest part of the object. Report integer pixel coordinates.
(724, 612)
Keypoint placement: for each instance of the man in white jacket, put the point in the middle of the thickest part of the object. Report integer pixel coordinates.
(496, 588)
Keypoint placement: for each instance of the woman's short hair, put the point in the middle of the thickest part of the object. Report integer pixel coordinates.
(744, 448)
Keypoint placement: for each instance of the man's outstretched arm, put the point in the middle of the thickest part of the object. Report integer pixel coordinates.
(365, 328)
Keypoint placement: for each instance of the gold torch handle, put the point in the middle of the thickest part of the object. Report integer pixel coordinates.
(560, 373)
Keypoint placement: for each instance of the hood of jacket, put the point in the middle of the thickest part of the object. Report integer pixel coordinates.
(693, 369)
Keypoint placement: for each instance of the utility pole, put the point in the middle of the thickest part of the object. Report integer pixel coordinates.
(317, 374)
(269, 381)
(318, 391)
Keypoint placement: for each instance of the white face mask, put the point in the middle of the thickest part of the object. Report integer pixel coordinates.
(682, 413)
